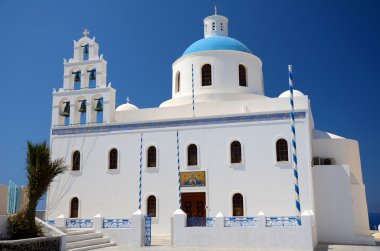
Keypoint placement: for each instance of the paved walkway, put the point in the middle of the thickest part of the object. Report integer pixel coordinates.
(321, 247)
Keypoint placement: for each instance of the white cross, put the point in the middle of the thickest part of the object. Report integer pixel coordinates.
(85, 32)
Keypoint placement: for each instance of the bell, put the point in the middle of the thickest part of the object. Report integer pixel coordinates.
(82, 107)
(99, 106)
(85, 51)
(92, 75)
(66, 110)
(77, 76)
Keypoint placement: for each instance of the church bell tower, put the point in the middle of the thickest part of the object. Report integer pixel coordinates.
(85, 97)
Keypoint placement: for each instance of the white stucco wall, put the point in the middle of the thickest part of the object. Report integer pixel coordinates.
(223, 80)
(265, 184)
(345, 188)
(258, 237)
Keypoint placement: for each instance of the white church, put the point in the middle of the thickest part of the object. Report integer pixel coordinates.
(218, 147)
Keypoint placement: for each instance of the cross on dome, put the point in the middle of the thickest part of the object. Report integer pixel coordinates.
(85, 32)
(215, 9)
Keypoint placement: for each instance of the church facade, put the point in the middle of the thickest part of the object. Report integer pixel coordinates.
(219, 145)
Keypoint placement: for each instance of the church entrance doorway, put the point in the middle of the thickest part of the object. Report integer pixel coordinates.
(194, 205)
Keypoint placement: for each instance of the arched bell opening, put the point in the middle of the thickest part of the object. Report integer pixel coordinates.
(76, 79)
(97, 104)
(64, 112)
(91, 77)
(80, 115)
(85, 51)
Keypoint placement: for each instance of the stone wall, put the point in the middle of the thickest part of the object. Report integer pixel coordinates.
(34, 244)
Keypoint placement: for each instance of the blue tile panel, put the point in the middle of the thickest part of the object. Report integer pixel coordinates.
(290, 221)
(176, 123)
(240, 221)
(79, 223)
(117, 223)
(50, 222)
(200, 222)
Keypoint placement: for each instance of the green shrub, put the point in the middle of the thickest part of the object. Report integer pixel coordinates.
(20, 227)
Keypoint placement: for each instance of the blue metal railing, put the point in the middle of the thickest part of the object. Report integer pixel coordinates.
(200, 222)
(284, 221)
(240, 222)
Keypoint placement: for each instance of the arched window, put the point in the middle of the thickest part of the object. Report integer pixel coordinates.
(206, 75)
(152, 157)
(192, 155)
(151, 206)
(282, 150)
(213, 26)
(76, 161)
(74, 207)
(237, 205)
(178, 82)
(242, 75)
(235, 152)
(113, 159)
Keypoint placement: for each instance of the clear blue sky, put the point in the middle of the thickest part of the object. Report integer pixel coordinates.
(334, 47)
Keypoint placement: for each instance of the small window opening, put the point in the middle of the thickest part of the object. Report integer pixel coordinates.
(206, 75)
(242, 75)
(282, 150)
(74, 207)
(151, 206)
(113, 155)
(192, 155)
(152, 157)
(178, 82)
(237, 205)
(76, 161)
(235, 152)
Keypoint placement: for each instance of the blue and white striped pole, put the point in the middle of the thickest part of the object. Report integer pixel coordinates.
(179, 176)
(192, 88)
(140, 177)
(294, 146)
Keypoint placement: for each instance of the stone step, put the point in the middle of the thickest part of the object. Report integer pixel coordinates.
(85, 243)
(104, 245)
(77, 231)
(161, 240)
(81, 237)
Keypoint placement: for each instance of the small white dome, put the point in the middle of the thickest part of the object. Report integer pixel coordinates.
(286, 94)
(126, 107)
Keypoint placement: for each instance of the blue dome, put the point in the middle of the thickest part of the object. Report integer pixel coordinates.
(216, 43)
